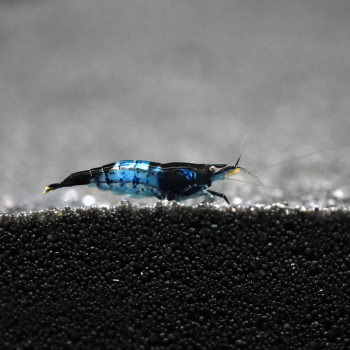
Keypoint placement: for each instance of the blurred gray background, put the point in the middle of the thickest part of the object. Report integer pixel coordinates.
(85, 83)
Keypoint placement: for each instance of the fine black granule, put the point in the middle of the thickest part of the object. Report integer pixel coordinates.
(175, 277)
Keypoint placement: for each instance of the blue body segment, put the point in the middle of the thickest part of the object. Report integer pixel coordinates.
(189, 175)
(133, 178)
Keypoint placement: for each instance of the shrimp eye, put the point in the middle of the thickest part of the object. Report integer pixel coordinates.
(212, 168)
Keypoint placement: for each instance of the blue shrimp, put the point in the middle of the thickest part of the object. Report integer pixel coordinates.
(171, 181)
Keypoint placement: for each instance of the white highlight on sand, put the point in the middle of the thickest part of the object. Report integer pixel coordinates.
(339, 194)
(88, 200)
(70, 195)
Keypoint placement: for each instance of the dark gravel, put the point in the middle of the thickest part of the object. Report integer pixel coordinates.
(175, 277)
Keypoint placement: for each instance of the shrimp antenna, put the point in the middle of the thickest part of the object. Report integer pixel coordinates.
(245, 170)
(240, 153)
(301, 157)
(265, 186)
(255, 177)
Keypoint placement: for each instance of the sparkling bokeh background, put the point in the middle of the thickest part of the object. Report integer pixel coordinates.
(86, 83)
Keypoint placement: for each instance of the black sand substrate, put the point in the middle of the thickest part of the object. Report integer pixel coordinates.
(175, 277)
